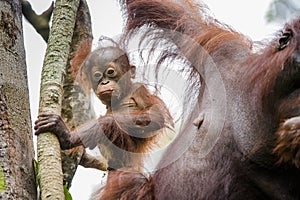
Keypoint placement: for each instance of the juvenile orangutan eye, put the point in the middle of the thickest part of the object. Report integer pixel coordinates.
(97, 75)
(111, 72)
(284, 40)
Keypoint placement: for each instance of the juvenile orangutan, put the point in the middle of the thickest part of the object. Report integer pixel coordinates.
(133, 116)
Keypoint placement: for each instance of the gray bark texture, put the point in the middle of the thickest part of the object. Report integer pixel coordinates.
(16, 146)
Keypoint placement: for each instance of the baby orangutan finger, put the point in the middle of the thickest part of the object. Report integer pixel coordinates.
(43, 127)
(292, 123)
(288, 141)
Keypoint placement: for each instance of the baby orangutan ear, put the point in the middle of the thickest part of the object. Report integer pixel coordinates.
(132, 71)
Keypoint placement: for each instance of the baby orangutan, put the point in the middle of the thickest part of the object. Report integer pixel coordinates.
(133, 116)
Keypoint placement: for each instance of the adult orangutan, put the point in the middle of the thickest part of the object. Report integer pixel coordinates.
(248, 145)
(133, 119)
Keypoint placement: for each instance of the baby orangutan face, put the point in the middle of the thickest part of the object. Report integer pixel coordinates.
(110, 74)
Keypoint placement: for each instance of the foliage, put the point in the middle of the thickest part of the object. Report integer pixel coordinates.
(67, 193)
(282, 10)
(36, 172)
(2, 180)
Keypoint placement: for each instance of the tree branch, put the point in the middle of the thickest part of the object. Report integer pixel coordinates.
(39, 22)
(48, 147)
(76, 105)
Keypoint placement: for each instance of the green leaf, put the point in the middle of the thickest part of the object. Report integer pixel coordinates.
(2, 180)
(282, 10)
(36, 171)
(67, 193)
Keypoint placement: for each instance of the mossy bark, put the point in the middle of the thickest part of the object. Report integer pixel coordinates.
(51, 94)
(76, 105)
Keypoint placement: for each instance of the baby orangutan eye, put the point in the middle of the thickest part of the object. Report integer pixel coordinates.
(97, 75)
(284, 40)
(111, 72)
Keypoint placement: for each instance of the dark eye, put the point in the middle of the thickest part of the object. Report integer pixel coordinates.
(110, 72)
(284, 40)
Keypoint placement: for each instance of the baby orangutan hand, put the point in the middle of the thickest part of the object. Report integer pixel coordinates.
(53, 123)
(288, 141)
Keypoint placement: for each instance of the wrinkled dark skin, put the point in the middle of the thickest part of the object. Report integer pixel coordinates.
(54, 124)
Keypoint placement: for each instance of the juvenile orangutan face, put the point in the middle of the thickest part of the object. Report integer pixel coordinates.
(110, 74)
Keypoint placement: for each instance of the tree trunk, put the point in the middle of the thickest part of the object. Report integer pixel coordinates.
(16, 146)
(49, 158)
(76, 105)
